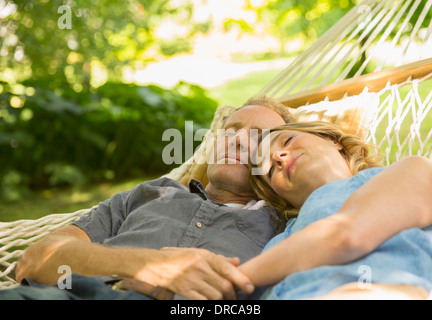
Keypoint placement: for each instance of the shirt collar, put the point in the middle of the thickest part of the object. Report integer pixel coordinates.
(196, 186)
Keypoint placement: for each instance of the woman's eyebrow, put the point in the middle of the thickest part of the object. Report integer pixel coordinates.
(273, 141)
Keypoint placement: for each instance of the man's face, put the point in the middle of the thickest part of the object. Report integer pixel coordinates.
(230, 170)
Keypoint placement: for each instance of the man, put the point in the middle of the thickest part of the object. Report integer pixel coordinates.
(133, 234)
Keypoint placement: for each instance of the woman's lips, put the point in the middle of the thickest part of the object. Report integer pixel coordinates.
(291, 164)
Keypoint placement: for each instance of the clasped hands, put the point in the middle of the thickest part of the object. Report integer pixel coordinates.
(196, 274)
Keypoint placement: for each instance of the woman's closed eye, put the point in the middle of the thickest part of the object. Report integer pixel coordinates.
(287, 141)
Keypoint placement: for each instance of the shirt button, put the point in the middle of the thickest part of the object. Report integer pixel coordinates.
(199, 224)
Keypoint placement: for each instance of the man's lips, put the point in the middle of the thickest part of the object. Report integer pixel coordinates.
(232, 159)
(291, 164)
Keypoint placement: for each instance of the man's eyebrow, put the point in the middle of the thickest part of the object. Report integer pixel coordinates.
(239, 125)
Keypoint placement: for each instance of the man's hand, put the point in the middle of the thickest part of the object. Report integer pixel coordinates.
(197, 274)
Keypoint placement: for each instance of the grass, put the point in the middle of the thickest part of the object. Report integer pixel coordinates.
(237, 91)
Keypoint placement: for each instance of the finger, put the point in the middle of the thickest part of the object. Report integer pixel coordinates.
(234, 261)
(211, 283)
(218, 290)
(207, 285)
(194, 295)
(171, 248)
(217, 287)
(235, 276)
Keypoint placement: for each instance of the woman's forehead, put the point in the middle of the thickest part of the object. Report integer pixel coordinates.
(273, 137)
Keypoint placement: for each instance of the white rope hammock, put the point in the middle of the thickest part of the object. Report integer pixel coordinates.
(402, 123)
(399, 123)
(360, 37)
(16, 236)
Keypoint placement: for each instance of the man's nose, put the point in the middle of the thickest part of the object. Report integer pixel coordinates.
(241, 140)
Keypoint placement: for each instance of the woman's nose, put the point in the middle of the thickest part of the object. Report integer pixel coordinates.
(279, 157)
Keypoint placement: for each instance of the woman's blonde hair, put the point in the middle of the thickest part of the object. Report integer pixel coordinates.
(355, 150)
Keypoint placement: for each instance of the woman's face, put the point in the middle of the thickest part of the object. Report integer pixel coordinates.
(300, 162)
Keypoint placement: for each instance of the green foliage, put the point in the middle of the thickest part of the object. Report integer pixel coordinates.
(179, 45)
(65, 40)
(66, 118)
(243, 25)
(309, 19)
(116, 132)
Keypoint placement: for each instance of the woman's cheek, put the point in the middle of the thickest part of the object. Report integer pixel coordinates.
(279, 186)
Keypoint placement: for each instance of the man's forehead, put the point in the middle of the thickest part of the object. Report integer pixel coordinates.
(240, 125)
(254, 117)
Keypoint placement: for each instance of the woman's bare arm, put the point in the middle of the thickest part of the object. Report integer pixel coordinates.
(396, 199)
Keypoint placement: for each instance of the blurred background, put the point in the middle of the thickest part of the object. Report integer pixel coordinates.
(87, 87)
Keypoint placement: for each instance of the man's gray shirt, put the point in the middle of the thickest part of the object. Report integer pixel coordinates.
(164, 213)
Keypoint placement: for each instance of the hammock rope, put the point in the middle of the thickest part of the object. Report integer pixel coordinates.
(361, 36)
(402, 124)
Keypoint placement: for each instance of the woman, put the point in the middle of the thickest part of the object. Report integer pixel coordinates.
(328, 179)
